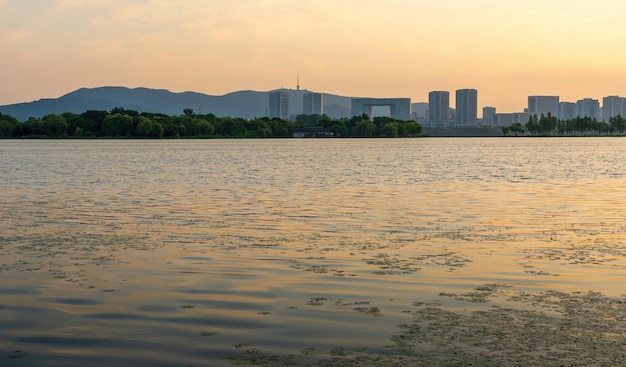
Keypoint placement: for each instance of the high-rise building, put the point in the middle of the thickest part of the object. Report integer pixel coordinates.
(419, 111)
(520, 117)
(466, 107)
(503, 119)
(588, 107)
(488, 115)
(542, 105)
(313, 104)
(613, 106)
(567, 111)
(439, 107)
(279, 105)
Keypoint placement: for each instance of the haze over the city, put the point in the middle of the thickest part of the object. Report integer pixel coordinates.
(395, 48)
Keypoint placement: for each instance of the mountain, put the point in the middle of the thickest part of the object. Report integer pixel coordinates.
(245, 104)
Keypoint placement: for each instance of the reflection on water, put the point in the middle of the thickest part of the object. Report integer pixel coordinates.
(298, 252)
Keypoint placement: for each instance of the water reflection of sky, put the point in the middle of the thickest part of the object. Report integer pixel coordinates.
(201, 248)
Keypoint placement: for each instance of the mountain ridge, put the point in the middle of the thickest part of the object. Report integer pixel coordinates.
(246, 104)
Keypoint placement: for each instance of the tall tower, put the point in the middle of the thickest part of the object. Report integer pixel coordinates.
(298, 82)
(466, 107)
(439, 107)
(279, 105)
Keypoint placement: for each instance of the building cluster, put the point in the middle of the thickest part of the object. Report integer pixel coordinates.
(312, 104)
(437, 112)
(612, 106)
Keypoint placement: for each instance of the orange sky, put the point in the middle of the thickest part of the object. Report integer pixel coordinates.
(394, 48)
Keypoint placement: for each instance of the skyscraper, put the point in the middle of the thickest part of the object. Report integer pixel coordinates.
(613, 106)
(567, 111)
(419, 111)
(313, 104)
(279, 105)
(489, 114)
(466, 107)
(588, 107)
(439, 107)
(542, 105)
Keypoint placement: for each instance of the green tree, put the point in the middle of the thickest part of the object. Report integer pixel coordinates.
(34, 128)
(547, 124)
(54, 125)
(202, 127)
(231, 127)
(532, 126)
(390, 130)
(364, 129)
(516, 129)
(188, 112)
(260, 127)
(8, 125)
(381, 121)
(618, 123)
(600, 127)
(325, 121)
(90, 122)
(118, 125)
(280, 128)
(561, 127)
(72, 120)
(412, 129)
(149, 128)
(6, 128)
(307, 120)
(340, 128)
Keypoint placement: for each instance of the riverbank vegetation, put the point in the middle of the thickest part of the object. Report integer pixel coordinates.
(123, 123)
(548, 125)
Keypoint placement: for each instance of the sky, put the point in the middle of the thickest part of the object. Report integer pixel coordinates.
(506, 49)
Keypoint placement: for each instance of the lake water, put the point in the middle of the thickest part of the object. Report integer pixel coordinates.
(496, 251)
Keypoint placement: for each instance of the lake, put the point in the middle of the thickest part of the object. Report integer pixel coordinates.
(330, 252)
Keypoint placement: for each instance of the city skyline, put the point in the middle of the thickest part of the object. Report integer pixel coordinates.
(506, 50)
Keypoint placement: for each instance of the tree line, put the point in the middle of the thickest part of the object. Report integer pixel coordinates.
(548, 125)
(124, 123)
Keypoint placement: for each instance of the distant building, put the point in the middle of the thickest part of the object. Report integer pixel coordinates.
(279, 105)
(419, 111)
(313, 132)
(503, 119)
(567, 111)
(439, 107)
(613, 106)
(488, 116)
(399, 108)
(466, 107)
(313, 104)
(520, 117)
(542, 105)
(588, 107)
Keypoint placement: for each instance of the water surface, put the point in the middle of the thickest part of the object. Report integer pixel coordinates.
(305, 252)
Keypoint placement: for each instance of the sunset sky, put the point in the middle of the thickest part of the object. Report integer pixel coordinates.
(506, 50)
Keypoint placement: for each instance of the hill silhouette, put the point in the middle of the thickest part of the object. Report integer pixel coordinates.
(245, 104)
